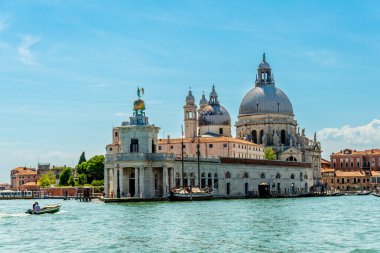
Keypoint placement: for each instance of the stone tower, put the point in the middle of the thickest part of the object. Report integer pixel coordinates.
(190, 116)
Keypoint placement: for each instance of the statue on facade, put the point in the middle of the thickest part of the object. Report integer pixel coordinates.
(264, 140)
(276, 138)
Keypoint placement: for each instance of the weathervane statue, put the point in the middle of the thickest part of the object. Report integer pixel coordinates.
(139, 104)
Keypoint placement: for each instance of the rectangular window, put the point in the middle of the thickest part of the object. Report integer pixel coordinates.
(224, 145)
(134, 146)
(220, 130)
(159, 147)
(171, 146)
(210, 145)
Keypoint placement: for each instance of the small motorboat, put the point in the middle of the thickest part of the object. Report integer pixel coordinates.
(46, 209)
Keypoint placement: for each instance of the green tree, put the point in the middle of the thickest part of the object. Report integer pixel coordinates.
(65, 176)
(71, 181)
(82, 179)
(46, 180)
(97, 183)
(82, 168)
(82, 158)
(95, 168)
(270, 154)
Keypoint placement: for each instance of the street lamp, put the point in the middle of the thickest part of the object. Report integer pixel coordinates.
(118, 181)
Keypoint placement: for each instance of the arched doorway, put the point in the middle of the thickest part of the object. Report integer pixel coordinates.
(132, 184)
(254, 136)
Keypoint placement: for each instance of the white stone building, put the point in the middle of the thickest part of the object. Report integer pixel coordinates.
(137, 168)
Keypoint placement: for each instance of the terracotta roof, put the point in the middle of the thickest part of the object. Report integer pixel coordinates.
(206, 140)
(19, 169)
(30, 184)
(26, 173)
(324, 161)
(359, 152)
(340, 173)
(327, 170)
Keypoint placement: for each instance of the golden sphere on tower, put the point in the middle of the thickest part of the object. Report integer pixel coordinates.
(139, 104)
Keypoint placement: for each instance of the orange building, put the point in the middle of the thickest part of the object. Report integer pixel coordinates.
(21, 176)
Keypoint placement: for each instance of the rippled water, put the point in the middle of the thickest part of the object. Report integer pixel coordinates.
(330, 224)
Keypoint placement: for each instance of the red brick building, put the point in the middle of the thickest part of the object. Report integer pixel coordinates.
(352, 160)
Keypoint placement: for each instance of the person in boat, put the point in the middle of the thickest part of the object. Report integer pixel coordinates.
(36, 207)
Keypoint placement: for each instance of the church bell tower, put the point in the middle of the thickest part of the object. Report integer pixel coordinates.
(190, 116)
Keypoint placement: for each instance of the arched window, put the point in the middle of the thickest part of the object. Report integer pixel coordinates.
(245, 175)
(209, 175)
(278, 176)
(292, 176)
(291, 159)
(262, 175)
(203, 180)
(254, 136)
(203, 174)
(261, 136)
(283, 137)
(305, 177)
(301, 175)
(228, 174)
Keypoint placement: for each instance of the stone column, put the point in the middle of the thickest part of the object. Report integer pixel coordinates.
(141, 181)
(106, 189)
(172, 177)
(114, 182)
(121, 182)
(164, 179)
(136, 182)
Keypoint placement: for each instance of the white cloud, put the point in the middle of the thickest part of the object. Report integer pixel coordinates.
(25, 55)
(3, 23)
(357, 137)
(322, 57)
(121, 114)
(99, 85)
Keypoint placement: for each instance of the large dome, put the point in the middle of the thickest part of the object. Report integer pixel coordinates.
(214, 115)
(266, 99)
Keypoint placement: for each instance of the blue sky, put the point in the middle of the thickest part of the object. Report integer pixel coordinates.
(69, 69)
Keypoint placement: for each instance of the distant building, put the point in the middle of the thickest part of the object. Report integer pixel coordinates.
(348, 159)
(352, 170)
(23, 175)
(5, 186)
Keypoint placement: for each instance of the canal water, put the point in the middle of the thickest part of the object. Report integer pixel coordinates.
(324, 224)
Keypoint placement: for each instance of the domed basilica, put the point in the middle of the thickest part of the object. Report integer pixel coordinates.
(265, 117)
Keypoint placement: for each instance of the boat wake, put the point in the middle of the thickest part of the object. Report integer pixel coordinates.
(6, 215)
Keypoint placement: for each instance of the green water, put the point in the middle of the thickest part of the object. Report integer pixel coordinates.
(330, 224)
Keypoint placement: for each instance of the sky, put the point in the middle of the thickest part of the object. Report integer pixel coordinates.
(69, 70)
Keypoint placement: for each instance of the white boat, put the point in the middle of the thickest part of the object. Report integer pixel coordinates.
(193, 193)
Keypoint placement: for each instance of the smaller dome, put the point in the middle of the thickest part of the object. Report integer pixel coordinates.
(264, 65)
(214, 115)
(190, 100)
(203, 102)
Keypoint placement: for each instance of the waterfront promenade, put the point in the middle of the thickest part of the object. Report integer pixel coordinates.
(335, 224)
